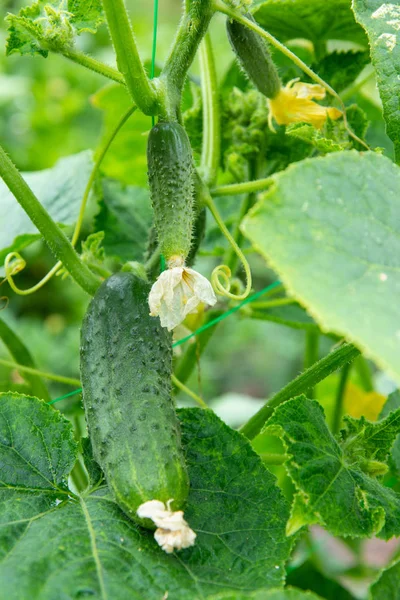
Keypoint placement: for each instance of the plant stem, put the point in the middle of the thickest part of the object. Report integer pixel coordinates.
(79, 476)
(186, 364)
(247, 187)
(32, 371)
(311, 353)
(192, 28)
(338, 410)
(233, 14)
(21, 355)
(54, 237)
(102, 272)
(94, 65)
(364, 374)
(273, 303)
(357, 86)
(211, 149)
(319, 371)
(188, 391)
(247, 202)
(129, 64)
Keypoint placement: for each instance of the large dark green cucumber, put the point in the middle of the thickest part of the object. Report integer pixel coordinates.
(254, 57)
(126, 364)
(170, 170)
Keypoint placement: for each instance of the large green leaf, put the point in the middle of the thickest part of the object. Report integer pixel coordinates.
(333, 481)
(287, 594)
(37, 452)
(60, 190)
(329, 227)
(392, 404)
(387, 587)
(317, 21)
(86, 546)
(381, 21)
(125, 217)
(51, 25)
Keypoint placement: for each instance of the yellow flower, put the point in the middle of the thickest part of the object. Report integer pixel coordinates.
(294, 104)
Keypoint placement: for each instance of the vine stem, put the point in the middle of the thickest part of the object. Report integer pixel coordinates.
(177, 383)
(57, 241)
(223, 8)
(94, 65)
(32, 371)
(339, 401)
(311, 353)
(11, 270)
(210, 155)
(272, 303)
(306, 380)
(139, 85)
(248, 187)
(224, 271)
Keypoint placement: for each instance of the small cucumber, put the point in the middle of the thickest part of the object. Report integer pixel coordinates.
(126, 365)
(254, 57)
(170, 170)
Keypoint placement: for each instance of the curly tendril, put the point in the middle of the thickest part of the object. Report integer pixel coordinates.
(221, 275)
(14, 263)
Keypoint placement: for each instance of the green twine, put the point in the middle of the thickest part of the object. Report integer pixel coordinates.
(225, 315)
(154, 48)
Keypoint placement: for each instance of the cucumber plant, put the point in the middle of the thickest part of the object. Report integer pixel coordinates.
(272, 170)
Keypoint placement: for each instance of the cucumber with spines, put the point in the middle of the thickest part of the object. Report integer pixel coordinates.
(254, 57)
(170, 171)
(126, 365)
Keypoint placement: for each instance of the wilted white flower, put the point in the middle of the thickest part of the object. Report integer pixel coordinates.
(172, 530)
(177, 293)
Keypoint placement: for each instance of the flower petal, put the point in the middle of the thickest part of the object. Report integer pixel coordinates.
(177, 293)
(172, 532)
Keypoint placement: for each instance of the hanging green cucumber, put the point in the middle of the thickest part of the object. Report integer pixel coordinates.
(170, 168)
(126, 365)
(179, 290)
(254, 57)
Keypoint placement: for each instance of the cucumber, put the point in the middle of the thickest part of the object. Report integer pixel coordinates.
(126, 365)
(254, 57)
(170, 172)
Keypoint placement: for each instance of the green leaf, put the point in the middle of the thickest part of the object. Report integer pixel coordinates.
(126, 158)
(86, 16)
(37, 452)
(340, 69)
(90, 548)
(125, 217)
(328, 227)
(387, 586)
(51, 25)
(393, 404)
(381, 22)
(317, 21)
(313, 136)
(60, 190)
(287, 594)
(334, 487)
